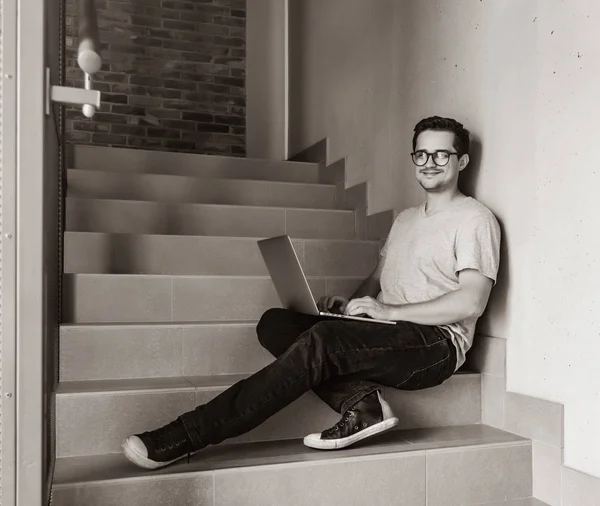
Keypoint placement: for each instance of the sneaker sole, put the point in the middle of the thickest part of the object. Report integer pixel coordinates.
(141, 461)
(315, 441)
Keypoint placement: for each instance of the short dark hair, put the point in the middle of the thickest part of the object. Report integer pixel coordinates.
(461, 134)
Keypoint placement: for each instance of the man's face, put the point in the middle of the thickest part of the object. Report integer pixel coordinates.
(432, 177)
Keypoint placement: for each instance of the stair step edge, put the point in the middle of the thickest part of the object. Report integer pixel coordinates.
(134, 325)
(211, 276)
(224, 237)
(149, 152)
(169, 383)
(150, 202)
(284, 453)
(200, 177)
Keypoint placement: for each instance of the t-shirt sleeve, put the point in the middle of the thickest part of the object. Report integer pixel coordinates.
(478, 246)
(383, 250)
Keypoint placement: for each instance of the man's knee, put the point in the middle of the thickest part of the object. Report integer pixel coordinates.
(268, 323)
(316, 337)
(316, 351)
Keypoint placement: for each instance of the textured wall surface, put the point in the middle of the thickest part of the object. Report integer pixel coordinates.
(527, 94)
(266, 82)
(173, 77)
(341, 70)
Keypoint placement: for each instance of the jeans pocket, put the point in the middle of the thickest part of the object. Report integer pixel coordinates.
(427, 377)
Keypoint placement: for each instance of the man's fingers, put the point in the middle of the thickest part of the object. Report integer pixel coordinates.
(355, 309)
(321, 304)
(359, 306)
(354, 303)
(324, 303)
(328, 302)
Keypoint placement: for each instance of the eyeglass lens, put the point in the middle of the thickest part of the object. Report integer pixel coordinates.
(440, 158)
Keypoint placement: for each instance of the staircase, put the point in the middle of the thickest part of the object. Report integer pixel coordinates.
(163, 287)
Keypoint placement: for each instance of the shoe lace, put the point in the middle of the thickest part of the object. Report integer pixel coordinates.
(170, 436)
(343, 421)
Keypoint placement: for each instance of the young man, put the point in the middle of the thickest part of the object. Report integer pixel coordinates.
(434, 278)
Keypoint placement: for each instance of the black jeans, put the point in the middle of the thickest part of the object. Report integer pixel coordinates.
(341, 360)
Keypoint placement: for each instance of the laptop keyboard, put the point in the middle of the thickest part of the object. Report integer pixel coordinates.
(358, 317)
(363, 315)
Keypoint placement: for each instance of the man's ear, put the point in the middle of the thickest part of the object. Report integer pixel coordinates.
(463, 162)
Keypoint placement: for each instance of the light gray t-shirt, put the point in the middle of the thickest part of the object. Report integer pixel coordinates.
(424, 254)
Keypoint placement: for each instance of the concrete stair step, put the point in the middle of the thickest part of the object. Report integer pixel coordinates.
(94, 416)
(445, 466)
(100, 253)
(128, 351)
(139, 217)
(528, 501)
(96, 352)
(114, 298)
(170, 188)
(91, 352)
(125, 160)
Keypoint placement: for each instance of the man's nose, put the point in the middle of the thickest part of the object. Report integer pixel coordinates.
(430, 163)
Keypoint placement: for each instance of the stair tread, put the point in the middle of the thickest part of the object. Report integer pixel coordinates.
(528, 501)
(140, 384)
(97, 468)
(238, 189)
(219, 276)
(179, 383)
(110, 215)
(144, 325)
(201, 204)
(195, 156)
(220, 237)
(201, 177)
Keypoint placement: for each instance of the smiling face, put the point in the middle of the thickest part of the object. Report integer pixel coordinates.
(432, 177)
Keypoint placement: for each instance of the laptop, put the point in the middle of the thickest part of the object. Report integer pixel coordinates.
(290, 282)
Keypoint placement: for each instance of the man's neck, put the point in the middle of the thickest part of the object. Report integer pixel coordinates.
(437, 202)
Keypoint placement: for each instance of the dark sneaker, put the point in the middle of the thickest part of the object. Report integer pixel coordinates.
(158, 448)
(370, 416)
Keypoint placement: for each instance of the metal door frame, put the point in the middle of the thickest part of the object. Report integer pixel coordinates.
(8, 252)
(31, 78)
(23, 316)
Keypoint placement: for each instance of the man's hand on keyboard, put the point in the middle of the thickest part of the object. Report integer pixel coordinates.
(333, 304)
(370, 306)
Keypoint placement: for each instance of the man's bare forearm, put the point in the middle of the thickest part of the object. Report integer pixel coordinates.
(370, 287)
(450, 308)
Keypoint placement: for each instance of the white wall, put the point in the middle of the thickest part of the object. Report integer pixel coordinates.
(557, 355)
(266, 79)
(524, 76)
(511, 71)
(474, 71)
(341, 80)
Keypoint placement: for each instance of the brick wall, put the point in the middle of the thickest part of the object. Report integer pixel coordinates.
(173, 77)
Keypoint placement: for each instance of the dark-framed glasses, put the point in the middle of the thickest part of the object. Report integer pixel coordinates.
(440, 157)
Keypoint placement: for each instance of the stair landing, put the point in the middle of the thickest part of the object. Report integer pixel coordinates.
(446, 466)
